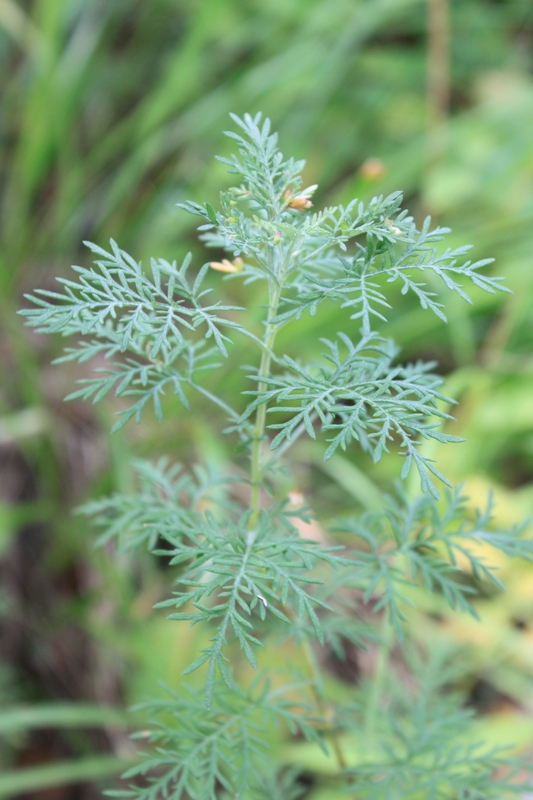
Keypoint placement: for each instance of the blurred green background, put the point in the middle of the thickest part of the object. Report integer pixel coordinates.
(112, 112)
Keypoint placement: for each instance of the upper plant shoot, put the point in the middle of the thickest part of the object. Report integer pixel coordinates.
(247, 577)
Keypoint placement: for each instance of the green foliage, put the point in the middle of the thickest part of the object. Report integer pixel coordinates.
(426, 752)
(246, 575)
(418, 541)
(126, 311)
(361, 397)
(203, 750)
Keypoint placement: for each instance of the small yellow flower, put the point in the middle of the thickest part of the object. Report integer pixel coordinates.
(227, 266)
(300, 203)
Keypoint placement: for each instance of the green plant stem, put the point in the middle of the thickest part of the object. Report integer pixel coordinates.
(275, 288)
(260, 419)
(255, 503)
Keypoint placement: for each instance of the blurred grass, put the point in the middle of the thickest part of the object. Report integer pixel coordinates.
(112, 113)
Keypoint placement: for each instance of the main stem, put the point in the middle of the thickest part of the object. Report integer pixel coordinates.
(260, 418)
(255, 501)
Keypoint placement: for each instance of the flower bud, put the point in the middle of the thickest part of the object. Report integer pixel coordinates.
(299, 203)
(227, 266)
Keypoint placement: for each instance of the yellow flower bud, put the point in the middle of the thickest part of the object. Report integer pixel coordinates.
(300, 203)
(227, 266)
